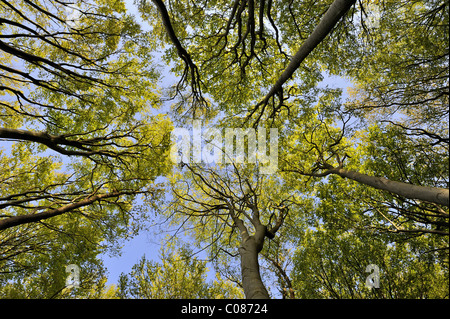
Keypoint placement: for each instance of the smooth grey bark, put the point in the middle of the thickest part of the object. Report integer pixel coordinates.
(435, 195)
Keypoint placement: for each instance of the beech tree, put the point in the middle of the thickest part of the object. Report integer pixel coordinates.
(336, 11)
(178, 275)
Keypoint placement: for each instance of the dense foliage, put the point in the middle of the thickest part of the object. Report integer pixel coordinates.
(362, 172)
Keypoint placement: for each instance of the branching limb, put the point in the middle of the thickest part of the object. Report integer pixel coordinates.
(190, 66)
(337, 10)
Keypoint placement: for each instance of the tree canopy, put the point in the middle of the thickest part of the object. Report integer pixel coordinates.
(362, 172)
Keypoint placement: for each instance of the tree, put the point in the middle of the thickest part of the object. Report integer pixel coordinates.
(246, 61)
(333, 264)
(34, 259)
(372, 168)
(177, 275)
(318, 149)
(336, 11)
(376, 138)
(241, 55)
(80, 142)
(406, 90)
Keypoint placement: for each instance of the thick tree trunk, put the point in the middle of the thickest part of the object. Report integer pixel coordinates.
(251, 278)
(435, 195)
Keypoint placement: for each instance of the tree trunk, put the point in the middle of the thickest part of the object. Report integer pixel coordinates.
(435, 195)
(251, 279)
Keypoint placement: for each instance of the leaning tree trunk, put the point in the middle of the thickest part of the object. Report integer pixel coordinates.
(435, 195)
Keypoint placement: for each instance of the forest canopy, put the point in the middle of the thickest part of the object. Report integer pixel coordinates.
(119, 115)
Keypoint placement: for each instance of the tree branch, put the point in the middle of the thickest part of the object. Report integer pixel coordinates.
(335, 12)
(30, 218)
